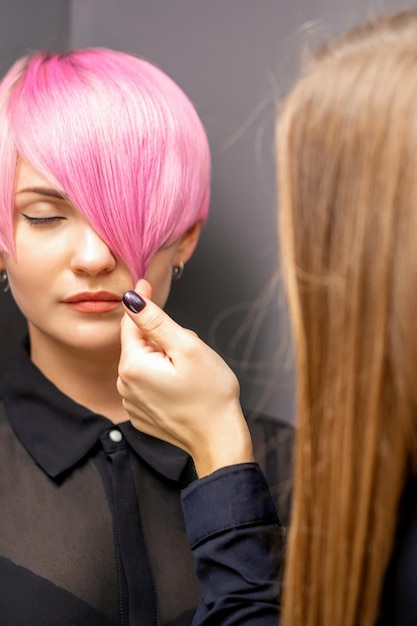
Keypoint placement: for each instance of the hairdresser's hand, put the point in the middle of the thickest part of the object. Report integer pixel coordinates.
(176, 388)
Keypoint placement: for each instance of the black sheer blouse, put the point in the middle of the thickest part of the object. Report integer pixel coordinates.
(91, 527)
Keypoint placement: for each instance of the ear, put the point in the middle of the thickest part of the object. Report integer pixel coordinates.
(187, 243)
(2, 262)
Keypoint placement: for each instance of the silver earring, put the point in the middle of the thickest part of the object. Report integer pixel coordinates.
(177, 271)
(3, 279)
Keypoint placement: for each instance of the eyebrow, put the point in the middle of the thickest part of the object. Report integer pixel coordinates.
(43, 191)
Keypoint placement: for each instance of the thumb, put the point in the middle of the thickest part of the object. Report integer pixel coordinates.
(151, 320)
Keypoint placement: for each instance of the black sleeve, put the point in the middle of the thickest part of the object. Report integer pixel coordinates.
(237, 541)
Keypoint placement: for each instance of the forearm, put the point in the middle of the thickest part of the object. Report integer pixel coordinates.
(237, 541)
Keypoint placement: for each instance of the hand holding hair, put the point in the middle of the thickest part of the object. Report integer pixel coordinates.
(178, 389)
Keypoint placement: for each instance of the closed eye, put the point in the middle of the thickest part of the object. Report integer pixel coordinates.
(35, 221)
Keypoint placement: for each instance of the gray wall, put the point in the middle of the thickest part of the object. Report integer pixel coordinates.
(234, 58)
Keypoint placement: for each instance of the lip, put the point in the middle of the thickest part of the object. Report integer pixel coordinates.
(93, 301)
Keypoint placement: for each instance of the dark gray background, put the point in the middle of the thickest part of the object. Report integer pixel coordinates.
(234, 58)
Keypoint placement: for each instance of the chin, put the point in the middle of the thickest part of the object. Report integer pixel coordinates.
(88, 343)
(99, 345)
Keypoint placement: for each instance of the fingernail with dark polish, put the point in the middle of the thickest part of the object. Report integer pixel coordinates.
(133, 301)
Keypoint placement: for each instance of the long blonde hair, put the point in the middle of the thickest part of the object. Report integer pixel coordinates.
(347, 163)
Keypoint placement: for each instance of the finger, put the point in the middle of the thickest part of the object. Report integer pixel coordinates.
(130, 332)
(152, 321)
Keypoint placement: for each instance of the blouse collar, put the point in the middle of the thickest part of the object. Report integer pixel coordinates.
(59, 433)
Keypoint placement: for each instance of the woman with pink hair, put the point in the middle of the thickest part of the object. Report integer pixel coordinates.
(105, 172)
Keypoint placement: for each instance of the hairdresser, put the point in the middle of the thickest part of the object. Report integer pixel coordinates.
(346, 155)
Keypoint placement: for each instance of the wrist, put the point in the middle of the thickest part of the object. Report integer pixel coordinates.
(232, 450)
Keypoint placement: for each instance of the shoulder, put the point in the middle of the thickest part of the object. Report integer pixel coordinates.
(13, 455)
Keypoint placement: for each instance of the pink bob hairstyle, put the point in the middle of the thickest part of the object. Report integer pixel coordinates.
(117, 137)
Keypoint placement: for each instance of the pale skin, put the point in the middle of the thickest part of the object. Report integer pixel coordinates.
(59, 255)
(177, 389)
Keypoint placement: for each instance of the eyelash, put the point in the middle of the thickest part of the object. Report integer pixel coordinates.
(37, 221)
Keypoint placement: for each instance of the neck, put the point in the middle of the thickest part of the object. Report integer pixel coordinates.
(87, 377)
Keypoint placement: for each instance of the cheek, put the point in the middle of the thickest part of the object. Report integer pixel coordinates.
(159, 275)
(26, 289)
(29, 277)
(161, 284)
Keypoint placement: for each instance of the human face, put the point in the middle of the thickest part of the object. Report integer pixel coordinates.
(64, 278)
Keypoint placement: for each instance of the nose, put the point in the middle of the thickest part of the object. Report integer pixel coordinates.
(91, 254)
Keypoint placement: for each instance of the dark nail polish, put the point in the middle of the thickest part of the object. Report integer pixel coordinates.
(133, 301)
